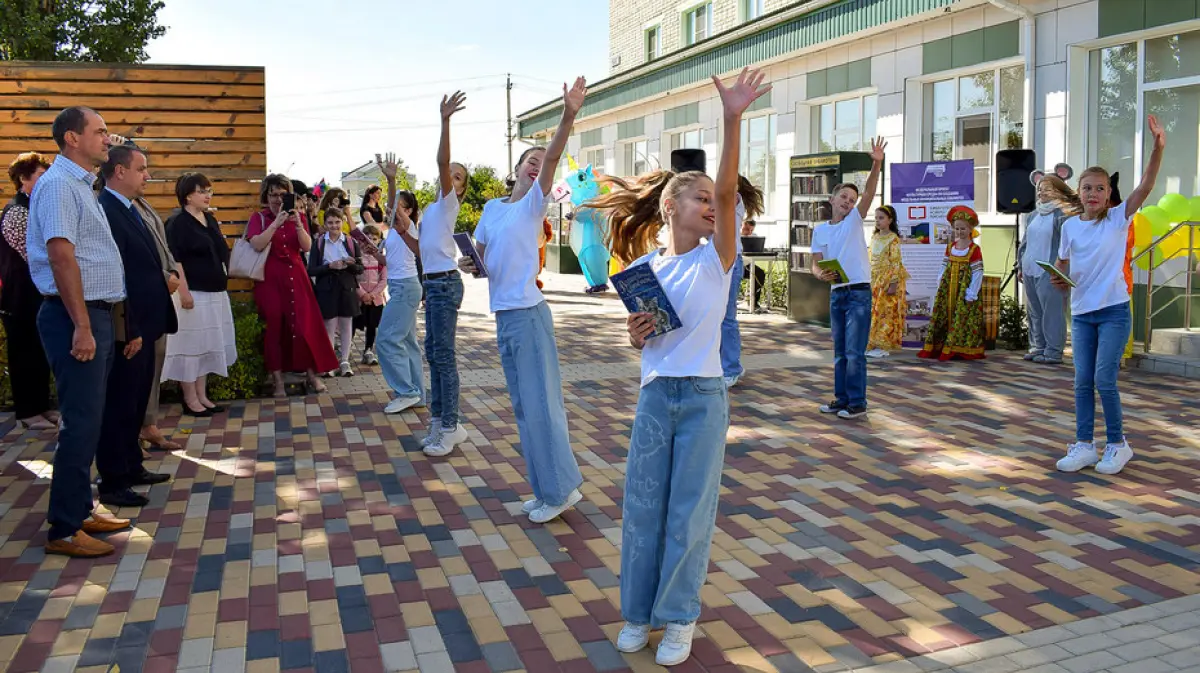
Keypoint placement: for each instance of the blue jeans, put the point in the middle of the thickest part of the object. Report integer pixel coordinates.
(81, 394)
(731, 336)
(850, 321)
(1047, 317)
(443, 298)
(672, 482)
(1099, 340)
(529, 356)
(396, 342)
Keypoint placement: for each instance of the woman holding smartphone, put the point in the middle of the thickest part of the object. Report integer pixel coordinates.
(294, 338)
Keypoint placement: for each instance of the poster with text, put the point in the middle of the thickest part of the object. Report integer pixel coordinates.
(922, 194)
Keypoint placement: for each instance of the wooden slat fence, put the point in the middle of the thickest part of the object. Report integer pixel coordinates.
(187, 118)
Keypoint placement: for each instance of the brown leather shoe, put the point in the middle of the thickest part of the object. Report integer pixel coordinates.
(98, 523)
(80, 545)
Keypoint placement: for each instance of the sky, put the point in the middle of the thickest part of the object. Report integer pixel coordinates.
(348, 80)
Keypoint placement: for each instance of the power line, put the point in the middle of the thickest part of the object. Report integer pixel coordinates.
(385, 101)
(389, 128)
(390, 86)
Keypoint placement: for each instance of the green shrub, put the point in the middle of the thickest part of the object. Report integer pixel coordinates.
(248, 375)
(1014, 330)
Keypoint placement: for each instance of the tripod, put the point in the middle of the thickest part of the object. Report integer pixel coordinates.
(1014, 273)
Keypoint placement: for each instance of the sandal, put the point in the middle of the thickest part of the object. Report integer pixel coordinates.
(280, 393)
(39, 425)
(316, 386)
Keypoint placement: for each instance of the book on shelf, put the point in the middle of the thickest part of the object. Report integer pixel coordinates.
(639, 288)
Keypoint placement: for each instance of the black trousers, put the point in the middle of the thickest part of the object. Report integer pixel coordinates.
(119, 454)
(28, 370)
(760, 281)
(369, 321)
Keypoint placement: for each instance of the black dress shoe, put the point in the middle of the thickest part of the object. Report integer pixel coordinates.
(187, 411)
(216, 409)
(125, 498)
(147, 478)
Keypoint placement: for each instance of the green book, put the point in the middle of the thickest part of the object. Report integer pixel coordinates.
(836, 267)
(1055, 271)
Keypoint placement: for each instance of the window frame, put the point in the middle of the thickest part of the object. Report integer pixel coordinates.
(861, 95)
(585, 153)
(996, 68)
(656, 29)
(749, 10)
(688, 25)
(628, 161)
(772, 117)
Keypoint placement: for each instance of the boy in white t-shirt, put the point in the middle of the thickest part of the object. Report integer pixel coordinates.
(843, 239)
(1092, 253)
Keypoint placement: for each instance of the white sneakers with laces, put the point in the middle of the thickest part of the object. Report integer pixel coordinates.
(676, 644)
(446, 441)
(1115, 457)
(1083, 454)
(400, 404)
(530, 505)
(434, 432)
(547, 512)
(633, 637)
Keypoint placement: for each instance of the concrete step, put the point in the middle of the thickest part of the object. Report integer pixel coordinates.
(1176, 342)
(1173, 365)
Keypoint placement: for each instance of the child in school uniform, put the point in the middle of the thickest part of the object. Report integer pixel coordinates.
(335, 262)
(372, 291)
(1093, 252)
(507, 238)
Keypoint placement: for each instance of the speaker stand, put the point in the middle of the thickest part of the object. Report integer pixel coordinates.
(1014, 273)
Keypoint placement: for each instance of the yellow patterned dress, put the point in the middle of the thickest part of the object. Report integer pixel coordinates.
(888, 311)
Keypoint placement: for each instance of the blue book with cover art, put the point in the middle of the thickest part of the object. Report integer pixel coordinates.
(642, 293)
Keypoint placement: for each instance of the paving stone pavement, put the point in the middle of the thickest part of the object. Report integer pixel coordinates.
(312, 534)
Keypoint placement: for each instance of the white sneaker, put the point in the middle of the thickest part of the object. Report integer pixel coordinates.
(345, 370)
(676, 644)
(633, 637)
(1115, 457)
(731, 381)
(547, 512)
(400, 404)
(529, 505)
(434, 432)
(446, 441)
(877, 353)
(1079, 455)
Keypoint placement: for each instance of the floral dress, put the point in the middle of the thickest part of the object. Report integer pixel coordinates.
(887, 311)
(956, 326)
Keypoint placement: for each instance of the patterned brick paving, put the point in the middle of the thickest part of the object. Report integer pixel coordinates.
(314, 535)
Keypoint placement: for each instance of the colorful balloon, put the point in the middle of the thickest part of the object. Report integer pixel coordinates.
(1195, 215)
(1160, 220)
(1177, 206)
(1141, 230)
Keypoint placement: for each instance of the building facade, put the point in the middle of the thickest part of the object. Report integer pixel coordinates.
(939, 79)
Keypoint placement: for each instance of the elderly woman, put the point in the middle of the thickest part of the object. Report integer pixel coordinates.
(20, 301)
(295, 338)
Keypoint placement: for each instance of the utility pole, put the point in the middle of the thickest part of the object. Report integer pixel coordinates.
(508, 129)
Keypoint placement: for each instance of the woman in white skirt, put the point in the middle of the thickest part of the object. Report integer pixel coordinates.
(205, 341)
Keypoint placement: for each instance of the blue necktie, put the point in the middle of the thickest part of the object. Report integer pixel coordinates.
(136, 215)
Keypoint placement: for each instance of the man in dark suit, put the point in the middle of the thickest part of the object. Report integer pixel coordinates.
(149, 313)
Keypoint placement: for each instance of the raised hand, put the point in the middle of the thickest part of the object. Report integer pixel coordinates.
(746, 89)
(388, 165)
(877, 147)
(453, 103)
(573, 97)
(1159, 133)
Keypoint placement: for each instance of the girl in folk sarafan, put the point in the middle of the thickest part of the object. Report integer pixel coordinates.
(956, 327)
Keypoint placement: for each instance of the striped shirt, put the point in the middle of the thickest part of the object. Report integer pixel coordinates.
(64, 206)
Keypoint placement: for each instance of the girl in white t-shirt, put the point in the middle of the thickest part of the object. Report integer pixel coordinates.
(1092, 253)
(677, 447)
(507, 238)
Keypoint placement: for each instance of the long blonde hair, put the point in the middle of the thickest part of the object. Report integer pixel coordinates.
(1096, 170)
(634, 208)
(1061, 194)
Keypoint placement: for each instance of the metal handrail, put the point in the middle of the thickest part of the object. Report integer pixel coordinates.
(1190, 257)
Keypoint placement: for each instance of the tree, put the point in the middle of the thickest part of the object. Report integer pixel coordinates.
(104, 31)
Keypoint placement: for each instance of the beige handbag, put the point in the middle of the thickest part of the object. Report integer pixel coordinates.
(246, 262)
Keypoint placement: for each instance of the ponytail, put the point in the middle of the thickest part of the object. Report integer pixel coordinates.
(634, 213)
(752, 197)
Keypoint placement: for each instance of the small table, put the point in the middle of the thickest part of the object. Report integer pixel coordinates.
(749, 259)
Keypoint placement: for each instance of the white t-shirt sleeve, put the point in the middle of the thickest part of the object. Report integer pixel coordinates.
(534, 206)
(481, 231)
(710, 261)
(1064, 243)
(1117, 216)
(820, 240)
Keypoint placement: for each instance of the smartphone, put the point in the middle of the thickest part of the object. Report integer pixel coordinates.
(289, 202)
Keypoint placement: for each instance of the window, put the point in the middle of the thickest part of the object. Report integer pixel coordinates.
(974, 116)
(594, 158)
(757, 153)
(1169, 88)
(636, 159)
(845, 125)
(692, 139)
(697, 24)
(653, 43)
(751, 9)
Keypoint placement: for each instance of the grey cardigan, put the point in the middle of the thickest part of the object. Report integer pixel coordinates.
(1055, 238)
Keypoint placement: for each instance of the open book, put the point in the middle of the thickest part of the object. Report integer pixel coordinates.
(836, 267)
(1055, 271)
(467, 247)
(642, 293)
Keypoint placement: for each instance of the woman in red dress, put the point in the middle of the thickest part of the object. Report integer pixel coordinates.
(295, 338)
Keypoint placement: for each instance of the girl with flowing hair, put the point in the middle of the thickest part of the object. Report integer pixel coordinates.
(1046, 304)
